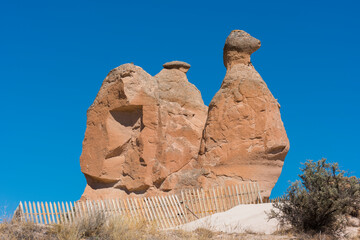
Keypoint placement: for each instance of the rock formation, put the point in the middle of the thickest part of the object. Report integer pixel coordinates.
(244, 138)
(142, 132)
(151, 134)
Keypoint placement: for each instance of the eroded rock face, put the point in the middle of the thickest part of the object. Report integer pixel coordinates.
(142, 131)
(148, 135)
(244, 137)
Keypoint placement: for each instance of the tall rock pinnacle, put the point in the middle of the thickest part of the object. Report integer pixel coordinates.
(244, 138)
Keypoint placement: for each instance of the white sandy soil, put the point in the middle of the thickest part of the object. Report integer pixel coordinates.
(240, 219)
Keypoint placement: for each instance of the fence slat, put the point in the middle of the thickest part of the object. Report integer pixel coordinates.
(216, 207)
(87, 206)
(76, 211)
(212, 200)
(68, 212)
(200, 204)
(184, 203)
(144, 208)
(246, 196)
(72, 211)
(251, 192)
(195, 202)
(152, 206)
(137, 209)
(97, 206)
(56, 213)
(156, 212)
(206, 202)
(80, 208)
(113, 205)
(61, 219)
(224, 198)
(92, 208)
(151, 213)
(176, 209)
(191, 203)
(131, 202)
(116, 206)
(187, 206)
(43, 212)
(124, 207)
(31, 216)
(206, 209)
(109, 207)
(238, 189)
(182, 210)
(237, 195)
(35, 213)
(168, 213)
(172, 210)
(51, 214)
(141, 210)
(248, 188)
(48, 212)
(162, 212)
(121, 207)
(26, 212)
(101, 207)
(231, 204)
(64, 212)
(258, 192)
(162, 208)
(39, 212)
(251, 186)
(221, 199)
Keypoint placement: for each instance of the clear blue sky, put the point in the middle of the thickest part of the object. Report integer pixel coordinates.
(54, 56)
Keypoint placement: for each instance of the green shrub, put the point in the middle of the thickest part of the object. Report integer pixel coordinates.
(320, 201)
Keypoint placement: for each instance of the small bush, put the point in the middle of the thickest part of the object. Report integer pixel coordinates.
(320, 201)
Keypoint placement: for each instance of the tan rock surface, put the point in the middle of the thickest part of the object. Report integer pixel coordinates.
(244, 137)
(141, 131)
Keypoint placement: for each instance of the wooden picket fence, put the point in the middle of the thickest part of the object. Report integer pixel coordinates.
(164, 211)
(274, 200)
(201, 203)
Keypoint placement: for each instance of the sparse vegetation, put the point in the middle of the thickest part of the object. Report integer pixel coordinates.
(96, 227)
(320, 201)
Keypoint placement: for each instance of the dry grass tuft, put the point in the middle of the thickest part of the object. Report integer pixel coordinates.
(204, 233)
(25, 231)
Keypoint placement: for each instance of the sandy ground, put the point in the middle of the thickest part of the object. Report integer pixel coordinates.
(240, 219)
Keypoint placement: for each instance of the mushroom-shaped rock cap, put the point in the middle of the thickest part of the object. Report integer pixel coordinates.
(182, 66)
(238, 47)
(241, 41)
